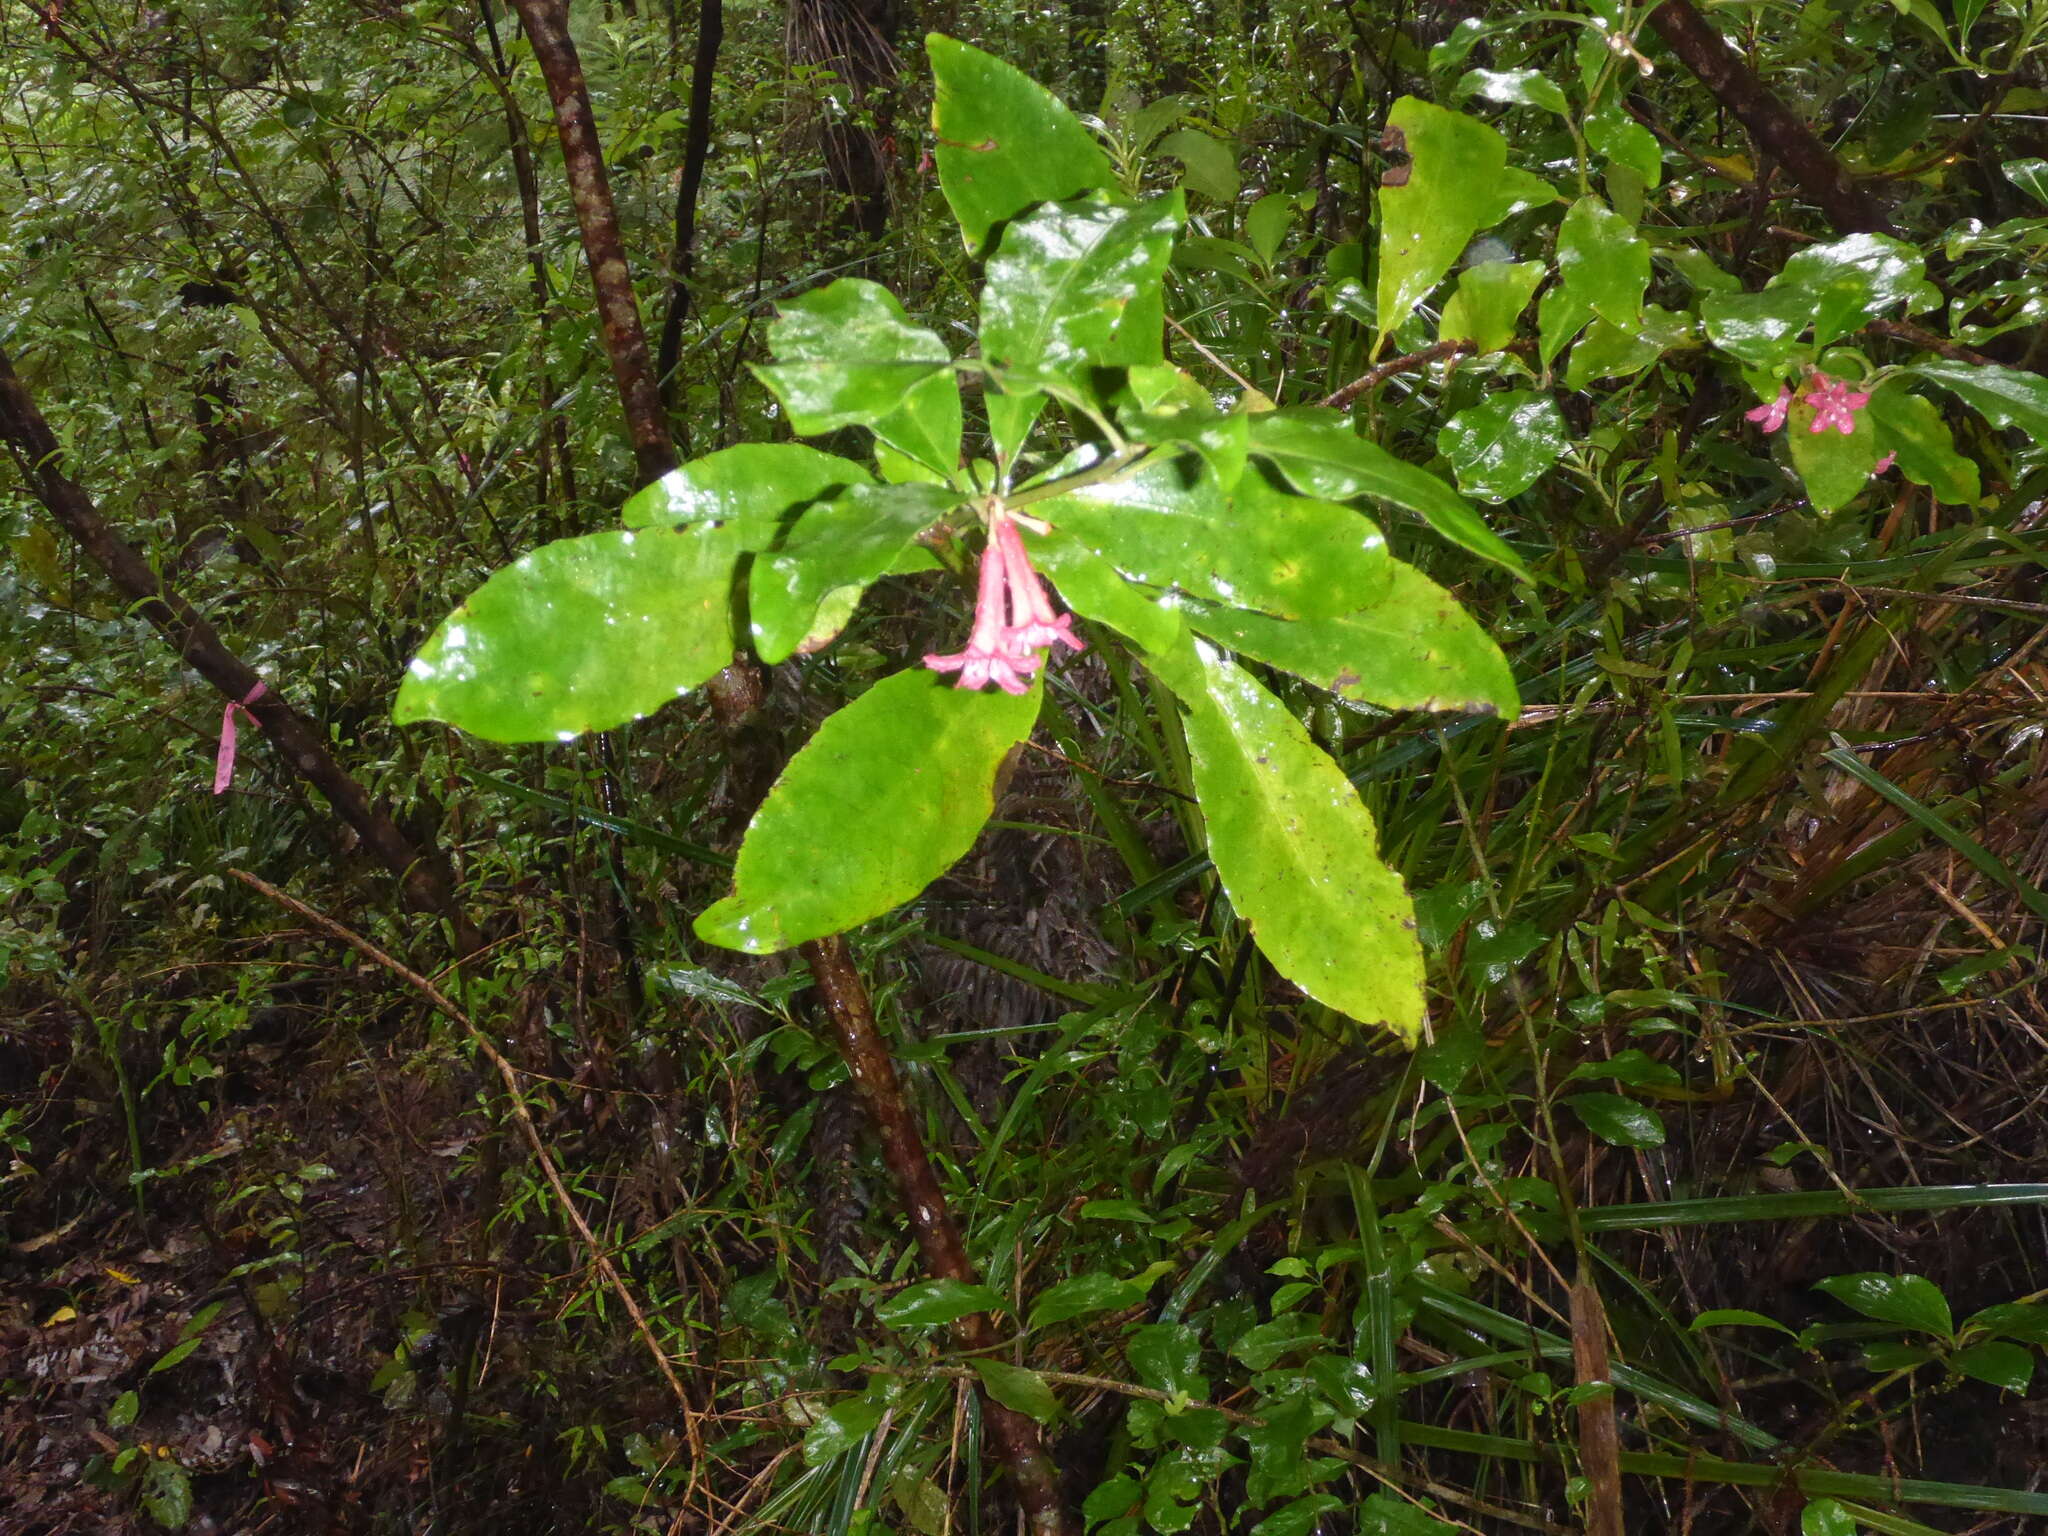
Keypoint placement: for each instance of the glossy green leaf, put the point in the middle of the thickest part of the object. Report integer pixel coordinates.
(880, 802)
(1005, 142)
(1458, 183)
(1608, 351)
(925, 428)
(1736, 1317)
(1298, 853)
(1512, 88)
(1489, 302)
(1911, 1301)
(2005, 397)
(753, 487)
(1381, 1514)
(1111, 1500)
(1167, 1357)
(1082, 1295)
(1826, 1517)
(1093, 588)
(1603, 261)
(1618, 1121)
(1320, 454)
(1210, 166)
(1624, 141)
(2013, 1320)
(842, 1428)
(580, 635)
(1560, 315)
(1063, 282)
(1855, 280)
(1266, 225)
(2030, 176)
(1501, 447)
(1264, 1345)
(1301, 1517)
(853, 537)
(1282, 1467)
(1017, 1389)
(1415, 648)
(1347, 1383)
(2009, 1367)
(1910, 426)
(931, 1302)
(1760, 329)
(1169, 525)
(1835, 469)
(848, 356)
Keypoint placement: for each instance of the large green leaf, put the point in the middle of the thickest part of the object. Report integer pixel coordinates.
(1501, 446)
(752, 487)
(1297, 851)
(2004, 396)
(1414, 648)
(1063, 281)
(1911, 1301)
(1004, 141)
(1169, 524)
(580, 635)
(860, 533)
(1457, 184)
(848, 356)
(1909, 425)
(1854, 280)
(878, 804)
(1760, 329)
(1603, 261)
(1321, 455)
(1488, 302)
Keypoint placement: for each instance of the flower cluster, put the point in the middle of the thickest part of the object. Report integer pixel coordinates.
(1834, 404)
(1014, 623)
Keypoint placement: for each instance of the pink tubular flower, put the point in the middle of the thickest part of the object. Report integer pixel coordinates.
(1834, 404)
(1014, 623)
(1771, 414)
(1884, 464)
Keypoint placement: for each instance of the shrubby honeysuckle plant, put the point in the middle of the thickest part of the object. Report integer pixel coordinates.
(1212, 540)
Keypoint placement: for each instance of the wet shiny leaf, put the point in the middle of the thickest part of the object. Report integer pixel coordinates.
(1501, 447)
(580, 635)
(1489, 302)
(1910, 426)
(1320, 454)
(1297, 851)
(848, 356)
(1063, 287)
(1004, 141)
(880, 802)
(857, 535)
(1911, 1301)
(1458, 183)
(753, 486)
(1618, 1121)
(1415, 648)
(1603, 261)
(1169, 525)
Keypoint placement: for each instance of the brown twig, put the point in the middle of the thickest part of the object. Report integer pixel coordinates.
(514, 1096)
(618, 312)
(1018, 1445)
(1374, 377)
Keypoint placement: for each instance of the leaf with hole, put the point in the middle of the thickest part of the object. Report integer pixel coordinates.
(1005, 143)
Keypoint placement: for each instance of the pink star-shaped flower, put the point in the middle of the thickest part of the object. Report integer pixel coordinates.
(1834, 404)
(1771, 414)
(1014, 622)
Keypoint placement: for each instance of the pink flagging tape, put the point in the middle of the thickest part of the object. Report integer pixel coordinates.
(224, 760)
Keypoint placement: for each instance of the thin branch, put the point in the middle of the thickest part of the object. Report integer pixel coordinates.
(515, 1097)
(1374, 377)
(302, 744)
(1777, 130)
